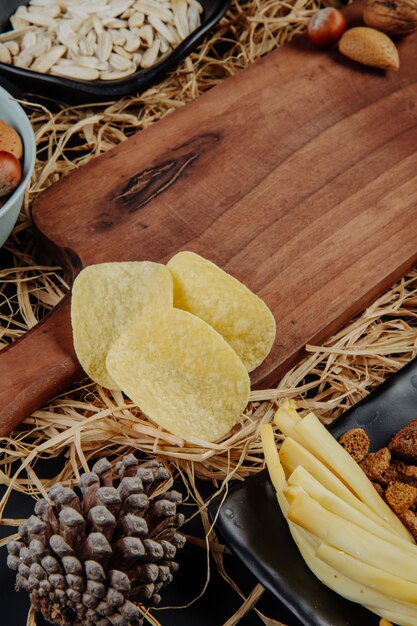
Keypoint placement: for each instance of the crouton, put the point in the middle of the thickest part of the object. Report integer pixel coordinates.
(399, 470)
(356, 442)
(376, 464)
(404, 444)
(409, 519)
(400, 497)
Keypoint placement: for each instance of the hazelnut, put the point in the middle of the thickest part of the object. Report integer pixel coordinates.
(10, 172)
(326, 27)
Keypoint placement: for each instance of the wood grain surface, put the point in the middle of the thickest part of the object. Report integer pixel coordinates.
(298, 176)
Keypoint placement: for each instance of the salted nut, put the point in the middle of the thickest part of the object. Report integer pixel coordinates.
(369, 47)
(393, 17)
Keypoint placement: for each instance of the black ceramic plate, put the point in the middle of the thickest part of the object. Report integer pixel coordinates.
(252, 525)
(83, 91)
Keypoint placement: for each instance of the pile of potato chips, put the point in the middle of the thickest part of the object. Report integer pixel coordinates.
(178, 340)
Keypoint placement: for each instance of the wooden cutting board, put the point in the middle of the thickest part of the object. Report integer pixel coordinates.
(298, 176)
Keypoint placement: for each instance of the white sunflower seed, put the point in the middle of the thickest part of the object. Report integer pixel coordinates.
(117, 62)
(162, 29)
(179, 8)
(154, 8)
(74, 23)
(5, 55)
(117, 36)
(146, 34)
(28, 40)
(132, 41)
(86, 48)
(164, 45)
(86, 26)
(23, 59)
(44, 62)
(114, 22)
(17, 22)
(104, 46)
(91, 37)
(117, 7)
(98, 25)
(193, 17)
(127, 14)
(76, 72)
(21, 11)
(51, 10)
(89, 61)
(38, 19)
(136, 20)
(151, 55)
(197, 5)
(13, 47)
(67, 36)
(39, 48)
(116, 75)
(12, 35)
(122, 52)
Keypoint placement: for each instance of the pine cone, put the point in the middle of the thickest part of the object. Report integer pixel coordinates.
(89, 560)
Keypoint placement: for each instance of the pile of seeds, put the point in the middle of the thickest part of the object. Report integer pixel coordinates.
(97, 39)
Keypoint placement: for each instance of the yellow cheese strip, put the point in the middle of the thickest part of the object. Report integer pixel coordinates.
(350, 538)
(286, 417)
(302, 478)
(292, 454)
(393, 586)
(323, 445)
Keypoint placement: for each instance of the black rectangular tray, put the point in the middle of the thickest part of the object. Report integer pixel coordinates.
(252, 525)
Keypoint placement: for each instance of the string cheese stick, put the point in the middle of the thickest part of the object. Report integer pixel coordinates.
(350, 538)
(333, 503)
(374, 577)
(292, 454)
(321, 443)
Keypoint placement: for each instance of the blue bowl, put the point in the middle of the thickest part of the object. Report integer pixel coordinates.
(13, 114)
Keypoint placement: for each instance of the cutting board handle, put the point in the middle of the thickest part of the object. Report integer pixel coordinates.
(37, 367)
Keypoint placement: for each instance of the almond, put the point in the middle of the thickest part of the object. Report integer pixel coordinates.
(369, 47)
(10, 140)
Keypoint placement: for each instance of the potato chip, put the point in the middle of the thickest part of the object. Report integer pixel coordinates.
(106, 299)
(242, 318)
(181, 373)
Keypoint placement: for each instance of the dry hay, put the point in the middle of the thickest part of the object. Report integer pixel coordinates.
(88, 421)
